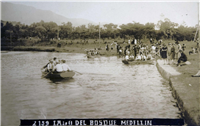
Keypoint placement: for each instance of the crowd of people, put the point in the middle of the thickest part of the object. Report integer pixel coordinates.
(56, 65)
(139, 51)
(173, 53)
(92, 52)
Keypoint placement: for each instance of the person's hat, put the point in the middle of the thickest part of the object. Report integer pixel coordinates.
(180, 50)
(169, 43)
(54, 58)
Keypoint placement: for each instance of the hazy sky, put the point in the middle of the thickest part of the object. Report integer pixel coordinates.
(124, 12)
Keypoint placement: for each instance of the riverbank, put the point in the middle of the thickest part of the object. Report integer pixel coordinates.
(70, 48)
(185, 88)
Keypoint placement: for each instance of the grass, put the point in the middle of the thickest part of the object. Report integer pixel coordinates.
(187, 86)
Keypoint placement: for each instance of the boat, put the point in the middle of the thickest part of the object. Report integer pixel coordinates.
(94, 56)
(64, 74)
(138, 62)
(92, 53)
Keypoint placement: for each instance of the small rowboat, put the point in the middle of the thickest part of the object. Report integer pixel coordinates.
(64, 74)
(95, 56)
(138, 62)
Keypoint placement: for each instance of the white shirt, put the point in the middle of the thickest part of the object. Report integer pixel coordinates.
(144, 57)
(138, 57)
(50, 66)
(127, 57)
(59, 68)
(65, 67)
(132, 57)
(149, 56)
(153, 48)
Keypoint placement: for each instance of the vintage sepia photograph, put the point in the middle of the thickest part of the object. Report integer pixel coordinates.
(100, 59)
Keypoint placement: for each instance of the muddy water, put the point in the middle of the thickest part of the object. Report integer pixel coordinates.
(103, 88)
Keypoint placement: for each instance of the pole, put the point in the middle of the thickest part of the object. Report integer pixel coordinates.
(198, 24)
(99, 33)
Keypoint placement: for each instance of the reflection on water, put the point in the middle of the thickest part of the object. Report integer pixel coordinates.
(104, 88)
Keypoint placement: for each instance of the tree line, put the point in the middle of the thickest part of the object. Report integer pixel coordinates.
(46, 31)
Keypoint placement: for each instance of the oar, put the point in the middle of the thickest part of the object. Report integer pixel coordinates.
(77, 72)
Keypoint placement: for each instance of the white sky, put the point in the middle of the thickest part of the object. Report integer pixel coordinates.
(124, 12)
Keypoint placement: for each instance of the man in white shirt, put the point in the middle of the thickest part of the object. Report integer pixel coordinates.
(138, 57)
(58, 67)
(65, 67)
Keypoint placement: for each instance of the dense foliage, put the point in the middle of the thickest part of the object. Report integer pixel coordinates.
(47, 31)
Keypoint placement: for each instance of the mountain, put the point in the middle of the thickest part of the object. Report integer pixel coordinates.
(28, 15)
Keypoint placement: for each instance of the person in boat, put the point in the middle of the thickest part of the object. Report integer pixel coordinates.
(149, 56)
(58, 67)
(55, 60)
(50, 62)
(131, 57)
(65, 67)
(138, 57)
(45, 67)
(182, 58)
(50, 66)
(143, 57)
(126, 57)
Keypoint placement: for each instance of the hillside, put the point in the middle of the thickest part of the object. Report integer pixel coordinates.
(28, 15)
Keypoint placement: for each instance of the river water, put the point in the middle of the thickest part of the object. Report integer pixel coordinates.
(103, 88)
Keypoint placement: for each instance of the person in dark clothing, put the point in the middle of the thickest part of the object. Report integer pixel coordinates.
(125, 51)
(173, 52)
(134, 50)
(164, 53)
(160, 47)
(183, 57)
(133, 43)
(107, 48)
(117, 48)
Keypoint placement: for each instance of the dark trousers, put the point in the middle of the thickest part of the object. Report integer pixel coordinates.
(181, 59)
